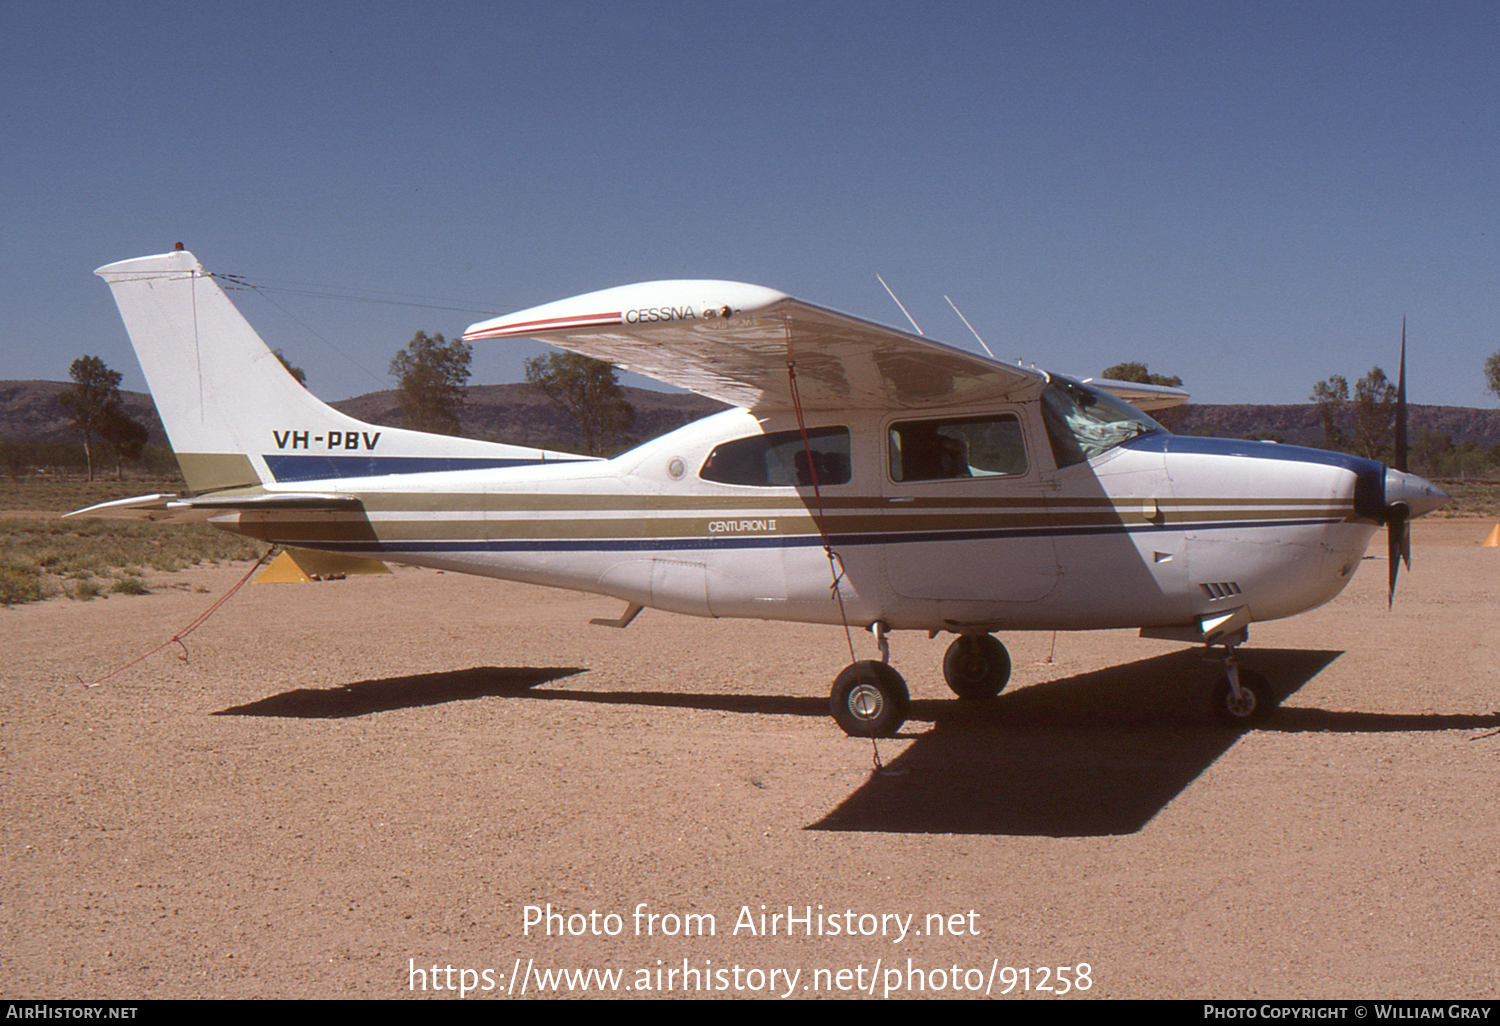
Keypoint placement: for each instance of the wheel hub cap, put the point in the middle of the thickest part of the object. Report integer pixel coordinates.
(865, 702)
(1242, 706)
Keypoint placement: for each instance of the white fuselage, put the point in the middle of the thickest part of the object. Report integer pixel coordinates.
(1155, 532)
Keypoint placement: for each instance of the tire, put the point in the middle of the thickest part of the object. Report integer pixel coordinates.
(976, 666)
(1257, 700)
(869, 699)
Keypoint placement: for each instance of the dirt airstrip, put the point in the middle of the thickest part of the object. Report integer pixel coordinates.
(376, 787)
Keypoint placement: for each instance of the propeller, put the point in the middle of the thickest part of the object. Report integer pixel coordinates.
(1406, 496)
(1398, 513)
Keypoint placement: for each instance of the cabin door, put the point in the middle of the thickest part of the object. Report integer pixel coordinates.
(965, 508)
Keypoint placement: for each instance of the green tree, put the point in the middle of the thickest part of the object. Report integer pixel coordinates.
(1139, 374)
(1492, 374)
(588, 391)
(296, 372)
(430, 375)
(1331, 395)
(95, 393)
(1374, 413)
(125, 435)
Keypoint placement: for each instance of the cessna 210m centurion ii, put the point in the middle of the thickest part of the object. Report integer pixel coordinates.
(865, 477)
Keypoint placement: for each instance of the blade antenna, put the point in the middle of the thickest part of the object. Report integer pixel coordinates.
(898, 303)
(969, 326)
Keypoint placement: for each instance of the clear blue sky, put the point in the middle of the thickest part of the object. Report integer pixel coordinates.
(1248, 195)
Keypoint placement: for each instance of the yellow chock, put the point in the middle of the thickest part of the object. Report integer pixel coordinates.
(303, 566)
(1493, 541)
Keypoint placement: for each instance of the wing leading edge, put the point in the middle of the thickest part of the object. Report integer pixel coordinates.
(733, 342)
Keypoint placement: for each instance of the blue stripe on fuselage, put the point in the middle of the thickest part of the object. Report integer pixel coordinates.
(319, 467)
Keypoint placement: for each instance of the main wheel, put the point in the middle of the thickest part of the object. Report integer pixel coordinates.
(869, 699)
(1255, 703)
(976, 666)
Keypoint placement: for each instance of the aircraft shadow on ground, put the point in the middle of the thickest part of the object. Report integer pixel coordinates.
(1094, 754)
(412, 691)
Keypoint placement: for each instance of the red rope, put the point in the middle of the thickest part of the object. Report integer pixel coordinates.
(835, 562)
(201, 619)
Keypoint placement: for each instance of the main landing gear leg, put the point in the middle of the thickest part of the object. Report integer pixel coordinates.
(869, 699)
(1241, 697)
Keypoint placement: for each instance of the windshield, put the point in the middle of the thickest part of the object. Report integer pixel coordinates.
(1083, 421)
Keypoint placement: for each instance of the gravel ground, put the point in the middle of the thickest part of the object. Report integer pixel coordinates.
(377, 788)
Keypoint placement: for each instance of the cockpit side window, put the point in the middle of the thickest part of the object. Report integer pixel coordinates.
(934, 450)
(1083, 422)
(780, 460)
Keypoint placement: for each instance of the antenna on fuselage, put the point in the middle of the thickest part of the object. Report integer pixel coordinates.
(898, 304)
(969, 326)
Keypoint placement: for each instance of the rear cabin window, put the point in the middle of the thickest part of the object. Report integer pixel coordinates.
(780, 460)
(935, 450)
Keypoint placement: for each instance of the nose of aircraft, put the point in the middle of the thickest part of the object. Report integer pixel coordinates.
(1418, 494)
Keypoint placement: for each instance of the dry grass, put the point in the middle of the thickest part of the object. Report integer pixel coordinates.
(1472, 499)
(42, 556)
(59, 495)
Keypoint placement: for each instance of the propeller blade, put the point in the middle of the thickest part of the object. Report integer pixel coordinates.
(1392, 561)
(1398, 546)
(1398, 514)
(1401, 404)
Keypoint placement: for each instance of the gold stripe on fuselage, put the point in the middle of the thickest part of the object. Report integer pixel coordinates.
(615, 518)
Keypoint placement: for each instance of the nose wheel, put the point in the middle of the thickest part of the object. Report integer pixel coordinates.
(1241, 698)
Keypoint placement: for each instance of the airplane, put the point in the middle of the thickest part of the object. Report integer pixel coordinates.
(863, 477)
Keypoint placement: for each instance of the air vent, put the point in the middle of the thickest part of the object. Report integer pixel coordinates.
(1221, 590)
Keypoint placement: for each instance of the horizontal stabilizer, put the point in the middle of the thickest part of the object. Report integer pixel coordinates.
(172, 509)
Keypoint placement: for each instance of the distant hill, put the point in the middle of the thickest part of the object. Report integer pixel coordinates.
(509, 413)
(29, 412)
(514, 414)
(1300, 425)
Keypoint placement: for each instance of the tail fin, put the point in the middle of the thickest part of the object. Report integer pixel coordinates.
(235, 416)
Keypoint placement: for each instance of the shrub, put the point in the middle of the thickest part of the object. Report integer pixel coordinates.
(85, 589)
(129, 585)
(20, 582)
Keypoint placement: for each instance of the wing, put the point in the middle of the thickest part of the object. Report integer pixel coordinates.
(733, 342)
(1146, 398)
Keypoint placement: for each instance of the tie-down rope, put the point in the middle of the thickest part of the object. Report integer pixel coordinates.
(835, 562)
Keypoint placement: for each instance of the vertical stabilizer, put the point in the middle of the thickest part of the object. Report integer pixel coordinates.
(235, 416)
